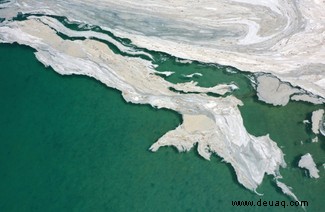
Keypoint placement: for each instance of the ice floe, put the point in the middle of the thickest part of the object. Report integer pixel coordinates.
(308, 163)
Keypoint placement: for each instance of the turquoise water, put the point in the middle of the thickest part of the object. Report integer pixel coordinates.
(68, 143)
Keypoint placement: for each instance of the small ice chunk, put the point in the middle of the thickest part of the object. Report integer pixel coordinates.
(231, 70)
(272, 91)
(192, 75)
(316, 120)
(308, 163)
(308, 98)
(314, 140)
(165, 73)
(183, 61)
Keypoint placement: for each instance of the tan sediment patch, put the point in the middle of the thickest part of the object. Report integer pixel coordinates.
(197, 123)
(39, 30)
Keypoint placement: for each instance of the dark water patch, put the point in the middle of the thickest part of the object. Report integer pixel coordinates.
(214, 94)
(65, 37)
(182, 92)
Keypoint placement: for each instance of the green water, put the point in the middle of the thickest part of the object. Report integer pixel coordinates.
(68, 143)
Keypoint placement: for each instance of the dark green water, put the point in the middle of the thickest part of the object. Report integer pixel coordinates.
(68, 143)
